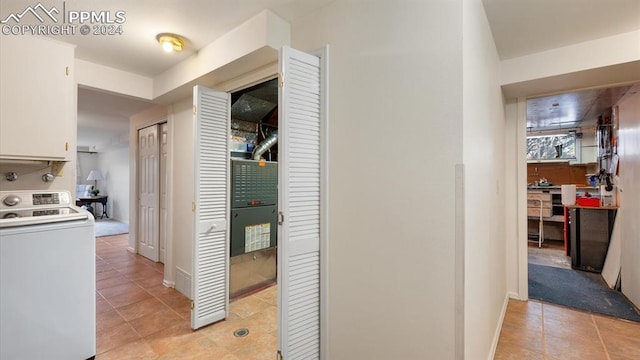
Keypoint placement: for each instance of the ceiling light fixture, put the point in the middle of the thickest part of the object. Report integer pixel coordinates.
(170, 42)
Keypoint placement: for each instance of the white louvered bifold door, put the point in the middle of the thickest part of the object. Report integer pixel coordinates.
(211, 207)
(301, 168)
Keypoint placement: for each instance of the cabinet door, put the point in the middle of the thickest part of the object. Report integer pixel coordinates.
(37, 112)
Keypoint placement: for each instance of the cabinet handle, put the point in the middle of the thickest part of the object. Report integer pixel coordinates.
(66, 70)
(66, 146)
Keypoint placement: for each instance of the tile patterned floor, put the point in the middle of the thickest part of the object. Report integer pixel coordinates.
(139, 318)
(535, 330)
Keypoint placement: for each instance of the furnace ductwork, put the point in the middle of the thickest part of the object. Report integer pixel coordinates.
(265, 145)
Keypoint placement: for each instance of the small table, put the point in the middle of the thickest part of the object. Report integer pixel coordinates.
(102, 199)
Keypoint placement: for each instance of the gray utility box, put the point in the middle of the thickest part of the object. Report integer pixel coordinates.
(254, 195)
(254, 198)
(253, 229)
(252, 184)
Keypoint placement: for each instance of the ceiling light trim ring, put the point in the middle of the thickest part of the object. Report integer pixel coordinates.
(170, 42)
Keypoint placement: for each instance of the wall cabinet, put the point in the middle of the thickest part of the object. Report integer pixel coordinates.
(37, 99)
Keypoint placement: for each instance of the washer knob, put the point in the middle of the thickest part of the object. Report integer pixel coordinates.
(11, 200)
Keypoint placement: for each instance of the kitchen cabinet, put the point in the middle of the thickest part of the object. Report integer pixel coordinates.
(37, 99)
(553, 212)
(543, 201)
(538, 203)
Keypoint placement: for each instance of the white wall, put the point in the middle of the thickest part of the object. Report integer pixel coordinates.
(395, 124)
(102, 77)
(485, 291)
(629, 151)
(599, 53)
(114, 164)
(182, 180)
(30, 176)
(86, 163)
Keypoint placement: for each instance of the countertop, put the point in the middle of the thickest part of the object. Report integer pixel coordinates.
(558, 187)
(592, 207)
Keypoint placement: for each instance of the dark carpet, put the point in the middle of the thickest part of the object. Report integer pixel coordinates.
(579, 289)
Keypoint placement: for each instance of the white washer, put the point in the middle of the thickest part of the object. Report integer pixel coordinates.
(47, 277)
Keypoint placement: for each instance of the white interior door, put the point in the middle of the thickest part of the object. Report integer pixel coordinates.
(149, 194)
(164, 138)
(211, 207)
(301, 156)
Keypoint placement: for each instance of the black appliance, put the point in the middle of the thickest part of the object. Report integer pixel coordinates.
(590, 232)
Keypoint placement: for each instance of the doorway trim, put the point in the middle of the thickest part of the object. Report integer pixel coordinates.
(521, 193)
(168, 279)
(614, 75)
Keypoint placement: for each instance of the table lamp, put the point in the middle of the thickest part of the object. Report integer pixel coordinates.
(95, 175)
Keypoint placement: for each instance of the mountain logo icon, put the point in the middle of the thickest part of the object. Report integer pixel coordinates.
(35, 11)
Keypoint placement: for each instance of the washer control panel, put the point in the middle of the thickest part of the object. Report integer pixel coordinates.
(11, 200)
(46, 199)
(24, 199)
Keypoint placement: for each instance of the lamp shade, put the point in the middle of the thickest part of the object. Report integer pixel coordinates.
(95, 175)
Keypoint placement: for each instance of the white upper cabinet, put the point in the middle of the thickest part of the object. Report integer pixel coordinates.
(37, 99)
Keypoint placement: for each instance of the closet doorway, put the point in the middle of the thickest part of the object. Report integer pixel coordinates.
(152, 191)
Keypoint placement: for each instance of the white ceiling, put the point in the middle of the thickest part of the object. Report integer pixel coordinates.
(103, 117)
(200, 22)
(519, 27)
(522, 27)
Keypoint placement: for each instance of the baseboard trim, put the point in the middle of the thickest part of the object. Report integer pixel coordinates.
(496, 334)
(183, 282)
(131, 250)
(515, 296)
(169, 284)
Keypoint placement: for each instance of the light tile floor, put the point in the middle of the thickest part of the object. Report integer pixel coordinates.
(536, 330)
(139, 318)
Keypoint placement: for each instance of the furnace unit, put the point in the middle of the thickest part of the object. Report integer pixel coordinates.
(254, 194)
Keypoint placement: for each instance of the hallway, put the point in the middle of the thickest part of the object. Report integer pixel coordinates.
(139, 318)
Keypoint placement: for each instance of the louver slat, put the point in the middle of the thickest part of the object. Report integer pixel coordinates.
(210, 290)
(300, 172)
